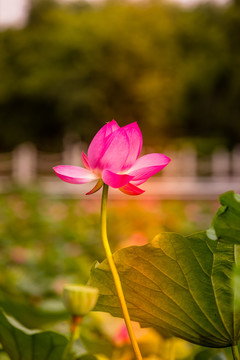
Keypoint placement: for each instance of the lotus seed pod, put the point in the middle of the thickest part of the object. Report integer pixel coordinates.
(79, 299)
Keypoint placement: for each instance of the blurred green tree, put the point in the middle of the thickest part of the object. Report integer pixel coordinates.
(74, 67)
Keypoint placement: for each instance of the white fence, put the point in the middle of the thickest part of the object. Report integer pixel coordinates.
(187, 176)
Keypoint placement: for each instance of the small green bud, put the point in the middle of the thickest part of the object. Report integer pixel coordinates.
(79, 299)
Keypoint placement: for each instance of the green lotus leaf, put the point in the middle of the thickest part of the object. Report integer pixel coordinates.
(180, 285)
(24, 344)
(226, 223)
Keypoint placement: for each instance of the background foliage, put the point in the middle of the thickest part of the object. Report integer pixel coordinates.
(72, 68)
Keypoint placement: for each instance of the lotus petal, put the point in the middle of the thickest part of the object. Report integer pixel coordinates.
(131, 189)
(115, 180)
(135, 142)
(116, 151)
(147, 166)
(98, 144)
(74, 174)
(85, 161)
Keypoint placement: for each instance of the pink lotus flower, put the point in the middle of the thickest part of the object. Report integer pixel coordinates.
(113, 159)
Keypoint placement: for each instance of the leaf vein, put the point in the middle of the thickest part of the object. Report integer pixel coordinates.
(216, 301)
(160, 270)
(160, 290)
(195, 300)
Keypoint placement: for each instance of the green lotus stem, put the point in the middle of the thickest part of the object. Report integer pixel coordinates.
(75, 326)
(115, 274)
(235, 352)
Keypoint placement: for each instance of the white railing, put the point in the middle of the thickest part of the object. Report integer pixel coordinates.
(187, 176)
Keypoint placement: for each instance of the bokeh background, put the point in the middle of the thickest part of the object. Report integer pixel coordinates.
(74, 66)
(66, 68)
